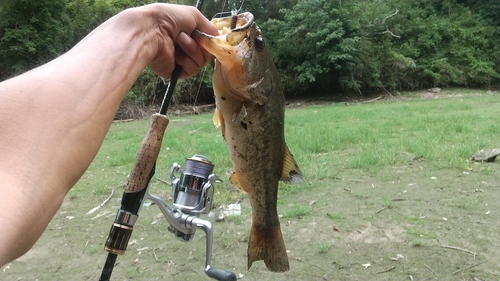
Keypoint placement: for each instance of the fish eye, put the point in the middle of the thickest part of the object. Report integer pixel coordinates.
(259, 43)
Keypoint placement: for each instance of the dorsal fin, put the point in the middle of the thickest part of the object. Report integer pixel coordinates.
(290, 172)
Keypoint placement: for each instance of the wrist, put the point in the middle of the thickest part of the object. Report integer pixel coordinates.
(137, 26)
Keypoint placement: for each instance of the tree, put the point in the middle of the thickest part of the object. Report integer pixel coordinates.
(33, 32)
(30, 33)
(450, 44)
(364, 45)
(310, 44)
(319, 46)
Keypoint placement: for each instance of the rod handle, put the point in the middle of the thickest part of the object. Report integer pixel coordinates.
(147, 155)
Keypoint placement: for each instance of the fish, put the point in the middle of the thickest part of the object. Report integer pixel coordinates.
(250, 109)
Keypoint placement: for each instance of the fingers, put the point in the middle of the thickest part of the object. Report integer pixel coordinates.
(202, 23)
(175, 46)
(164, 63)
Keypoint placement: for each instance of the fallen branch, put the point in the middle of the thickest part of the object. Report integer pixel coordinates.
(430, 269)
(299, 259)
(197, 109)
(387, 92)
(154, 254)
(123, 120)
(467, 268)
(387, 270)
(380, 210)
(387, 236)
(103, 202)
(372, 100)
(459, 249)
(195, 130)
(209, 106)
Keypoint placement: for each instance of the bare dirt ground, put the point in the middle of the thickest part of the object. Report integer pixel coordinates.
(406, 223)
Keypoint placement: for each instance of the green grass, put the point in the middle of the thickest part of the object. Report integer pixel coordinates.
(325, 139)
(445, 132)
(237, 220)
(296, 211)
(324, 248)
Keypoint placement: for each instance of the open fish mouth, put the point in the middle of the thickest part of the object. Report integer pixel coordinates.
(234, 23)
(241, 54)
(232, 31)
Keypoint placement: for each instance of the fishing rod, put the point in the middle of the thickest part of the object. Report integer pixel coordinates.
(192, 193)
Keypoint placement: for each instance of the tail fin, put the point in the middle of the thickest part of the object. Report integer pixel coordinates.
(270, 247)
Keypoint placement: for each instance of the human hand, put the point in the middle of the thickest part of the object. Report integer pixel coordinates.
(174, 45)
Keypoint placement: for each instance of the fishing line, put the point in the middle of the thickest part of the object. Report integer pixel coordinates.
(223, 6)
(199, 88)
(205, 68)
(232, 13)
(241, 6)
(234, 19)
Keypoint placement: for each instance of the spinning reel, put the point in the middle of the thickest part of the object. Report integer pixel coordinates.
(191, 195)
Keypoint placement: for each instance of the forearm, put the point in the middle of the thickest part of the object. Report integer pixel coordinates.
(82, 90)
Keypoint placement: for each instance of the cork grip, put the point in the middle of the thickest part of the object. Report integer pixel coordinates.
(147, 155)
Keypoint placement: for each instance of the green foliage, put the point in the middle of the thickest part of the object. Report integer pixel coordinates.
(261, 9)
(327, 47)
(148, 88)
(321, 47)
(379, 45)
(197, 89)
(86, 15)
(486, 8)
(33, 32)
(453, 45)
(308, 49)
(30, 32)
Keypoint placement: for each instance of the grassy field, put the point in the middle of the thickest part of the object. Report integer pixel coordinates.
(390, 194)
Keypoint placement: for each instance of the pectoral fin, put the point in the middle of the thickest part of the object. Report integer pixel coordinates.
(233, 179)
(219, 122)
(217, 118)
(290, 172)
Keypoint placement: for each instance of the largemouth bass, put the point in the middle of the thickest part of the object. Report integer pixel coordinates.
(250, 109)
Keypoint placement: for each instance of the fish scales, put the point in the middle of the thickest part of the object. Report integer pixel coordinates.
(250, 111)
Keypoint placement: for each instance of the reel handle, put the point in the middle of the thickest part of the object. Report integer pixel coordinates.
(220, 274)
